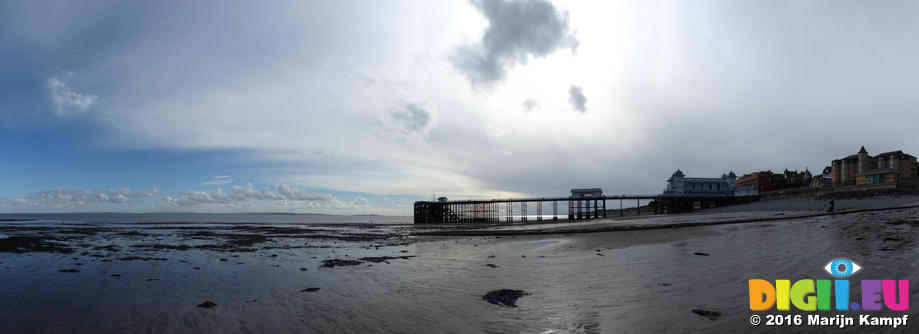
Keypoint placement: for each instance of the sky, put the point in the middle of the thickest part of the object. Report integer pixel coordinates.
(360, 107)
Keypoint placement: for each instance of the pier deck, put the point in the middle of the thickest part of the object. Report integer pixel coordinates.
(516, 209)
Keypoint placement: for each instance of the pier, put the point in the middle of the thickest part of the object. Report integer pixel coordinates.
(517, 209)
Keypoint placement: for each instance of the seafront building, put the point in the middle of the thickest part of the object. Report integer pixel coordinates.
(890, 168)
(823, 180)
(797, 179)
(761, 181)
(680, 184)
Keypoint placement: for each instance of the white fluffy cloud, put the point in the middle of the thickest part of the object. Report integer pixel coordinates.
(287, 192)
(66, 100)
(218, 181)
(280, 197)
(77, 198)
(360, 201)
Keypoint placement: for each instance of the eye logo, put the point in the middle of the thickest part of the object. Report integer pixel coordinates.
(842, 268)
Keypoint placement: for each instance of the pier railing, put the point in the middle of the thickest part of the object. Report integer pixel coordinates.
(517, 209)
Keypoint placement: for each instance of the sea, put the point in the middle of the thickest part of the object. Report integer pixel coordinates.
(187, 217)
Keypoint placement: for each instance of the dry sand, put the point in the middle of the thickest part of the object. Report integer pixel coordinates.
(254, 278)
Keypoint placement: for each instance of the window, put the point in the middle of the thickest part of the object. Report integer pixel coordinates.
(874, 179)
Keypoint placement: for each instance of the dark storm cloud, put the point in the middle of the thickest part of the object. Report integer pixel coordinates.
(516, 30)
(577, 99)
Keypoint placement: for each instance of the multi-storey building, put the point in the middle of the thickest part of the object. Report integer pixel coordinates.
(759, 180)
(893, 167)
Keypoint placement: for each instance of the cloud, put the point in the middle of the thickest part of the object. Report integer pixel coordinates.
(218, 180)
(409, 121)
(67, 101)
(236, 195)
(192, 198)
(321, 151)
(530, 105)
(516, 31)
(281, 197)
(577, 99)
(291, 193)
(76, 198)
(187, 85)
(360, 201)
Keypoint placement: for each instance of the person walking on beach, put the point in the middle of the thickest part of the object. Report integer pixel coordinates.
(832, 205)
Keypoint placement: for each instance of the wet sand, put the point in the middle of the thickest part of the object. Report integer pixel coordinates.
(286, 278)
(804, 205)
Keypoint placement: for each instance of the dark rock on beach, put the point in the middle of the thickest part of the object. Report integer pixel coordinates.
(378, 259)
(162, 247)
(491, 265)
(69, 271)
(139, 258)
(711, 315)
(338, 263)
(207, 304)
(310, 290)
(505, 297)
(700, 254)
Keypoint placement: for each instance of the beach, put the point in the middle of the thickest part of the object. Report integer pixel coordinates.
(247, 277)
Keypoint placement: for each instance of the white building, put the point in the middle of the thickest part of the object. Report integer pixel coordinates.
(679, 184)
